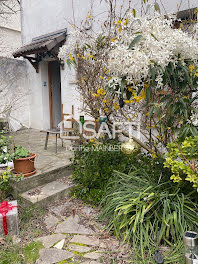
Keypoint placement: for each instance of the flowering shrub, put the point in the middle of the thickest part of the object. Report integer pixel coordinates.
(140, 67)
(88, 52)
(5, 148)
(5, 177)
(194, 119)
(5, 188)
(182, 158)
(147, 42)
(150, 60)
(133, 61)
(89, 57)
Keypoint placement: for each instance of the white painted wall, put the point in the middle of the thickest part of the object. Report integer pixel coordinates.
(42, 17)
(11, 19)
(13, 75)
(10, 30)
(10, 41)
(14, 93)
(172, 6)
(69, 94)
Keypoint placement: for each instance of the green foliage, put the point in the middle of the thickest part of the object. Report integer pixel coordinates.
(5, 148)
(147, 210)
(5, 188)
(172, 255)
(21, 152)
(182, 158)
(16, 254)
(7, 154)
(93, 169)
(31, 252)
(187, 131)
(169, 106)
(136, 40)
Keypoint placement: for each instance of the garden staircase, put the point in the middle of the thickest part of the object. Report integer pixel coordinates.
(43, 188)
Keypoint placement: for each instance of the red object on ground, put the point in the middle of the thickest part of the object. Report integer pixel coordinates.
(5, 207)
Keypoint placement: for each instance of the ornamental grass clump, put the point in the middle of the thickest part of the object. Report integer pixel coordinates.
(146, 210)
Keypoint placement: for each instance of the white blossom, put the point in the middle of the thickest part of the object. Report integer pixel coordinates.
(159, 43)
(194, 119)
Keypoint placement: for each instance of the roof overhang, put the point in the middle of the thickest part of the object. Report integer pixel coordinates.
(42, 46)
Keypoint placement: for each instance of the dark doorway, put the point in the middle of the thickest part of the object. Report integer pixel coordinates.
(54, 93)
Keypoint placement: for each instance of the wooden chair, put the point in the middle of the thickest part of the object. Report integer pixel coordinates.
(74, 129)
(68, 131)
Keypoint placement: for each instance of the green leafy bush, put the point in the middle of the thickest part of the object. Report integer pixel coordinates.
(146, 209)
(93, 168)
(6, 153)
(5, 187)
(182, 158)
(21, 152)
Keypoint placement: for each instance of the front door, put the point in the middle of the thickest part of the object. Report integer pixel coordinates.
(54, 93)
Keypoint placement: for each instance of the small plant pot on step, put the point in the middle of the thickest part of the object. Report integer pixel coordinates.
(25, 166)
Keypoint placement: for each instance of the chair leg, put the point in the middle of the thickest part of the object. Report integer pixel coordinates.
(62, 142)
(56, 143)
(46, 140)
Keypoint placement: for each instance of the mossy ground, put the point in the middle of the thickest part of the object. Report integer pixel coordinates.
(17, 254)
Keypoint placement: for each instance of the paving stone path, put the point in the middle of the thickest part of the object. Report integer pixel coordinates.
(75, 239)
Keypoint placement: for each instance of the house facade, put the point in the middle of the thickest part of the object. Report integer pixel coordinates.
(13, 77)
(45, 27)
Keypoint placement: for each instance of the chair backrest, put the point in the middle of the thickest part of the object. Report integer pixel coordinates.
(72, 122)
(68, 118)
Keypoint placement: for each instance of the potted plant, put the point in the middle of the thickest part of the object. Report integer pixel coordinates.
(23, 161)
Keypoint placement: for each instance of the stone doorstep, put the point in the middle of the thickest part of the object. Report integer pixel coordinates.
(40, 178)
(45, 194)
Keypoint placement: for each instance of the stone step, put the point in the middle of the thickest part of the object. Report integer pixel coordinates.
(41, 178)
(42, 196)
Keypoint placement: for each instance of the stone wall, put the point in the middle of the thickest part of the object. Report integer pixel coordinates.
(14, 93)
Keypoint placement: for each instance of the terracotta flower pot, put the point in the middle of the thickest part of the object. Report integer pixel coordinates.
(25, 165)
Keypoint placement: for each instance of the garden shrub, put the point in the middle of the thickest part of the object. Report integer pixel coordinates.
(6, 154)
(5, 188)
(93, 168)
(182, 158)
(145, 208)
(21, 152)
(5, 148)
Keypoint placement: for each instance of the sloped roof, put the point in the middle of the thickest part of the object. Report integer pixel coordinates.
(42, 43)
